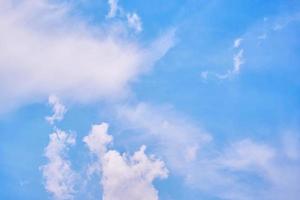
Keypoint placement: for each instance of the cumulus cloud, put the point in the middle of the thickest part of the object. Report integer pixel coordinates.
(45, 51)
(131, 177)
(58, 174)
(58, 109)
(225, 171)
(98, 139)
(124, 176)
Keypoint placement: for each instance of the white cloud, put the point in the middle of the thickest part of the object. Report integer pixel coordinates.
(134, 22)
(58, 109)
(113, 4)
(98, 139)
(124, 176)
(131, 177)
(43, 52)
(237, 42)
(225, 172)
(58, 175)
(238, 60)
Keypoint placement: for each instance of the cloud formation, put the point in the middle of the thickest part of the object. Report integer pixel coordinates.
(133, 19)
(58, 174)
(58, 109)
(170, 131)
(237, 42)
(134, 22)
(229, 172)
(225, 171)
(43, 51)
(113, 8)
(124, 176)
(238, 60)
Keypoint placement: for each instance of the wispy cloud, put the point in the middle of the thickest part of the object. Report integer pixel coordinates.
(172, 132)
(134, 21)
(238, 61)
(223, 172)
(44, 53)
(237, 42)
(113, 8)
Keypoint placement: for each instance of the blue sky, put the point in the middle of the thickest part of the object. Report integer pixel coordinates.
(149, 100)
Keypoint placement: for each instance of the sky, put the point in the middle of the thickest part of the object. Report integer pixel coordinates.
(149, 100)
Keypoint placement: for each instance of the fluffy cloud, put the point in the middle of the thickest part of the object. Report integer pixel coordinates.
(98, 139)
(58, 109)
(225, 172)
(124, 176)
(58, 175)
(45, 51)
